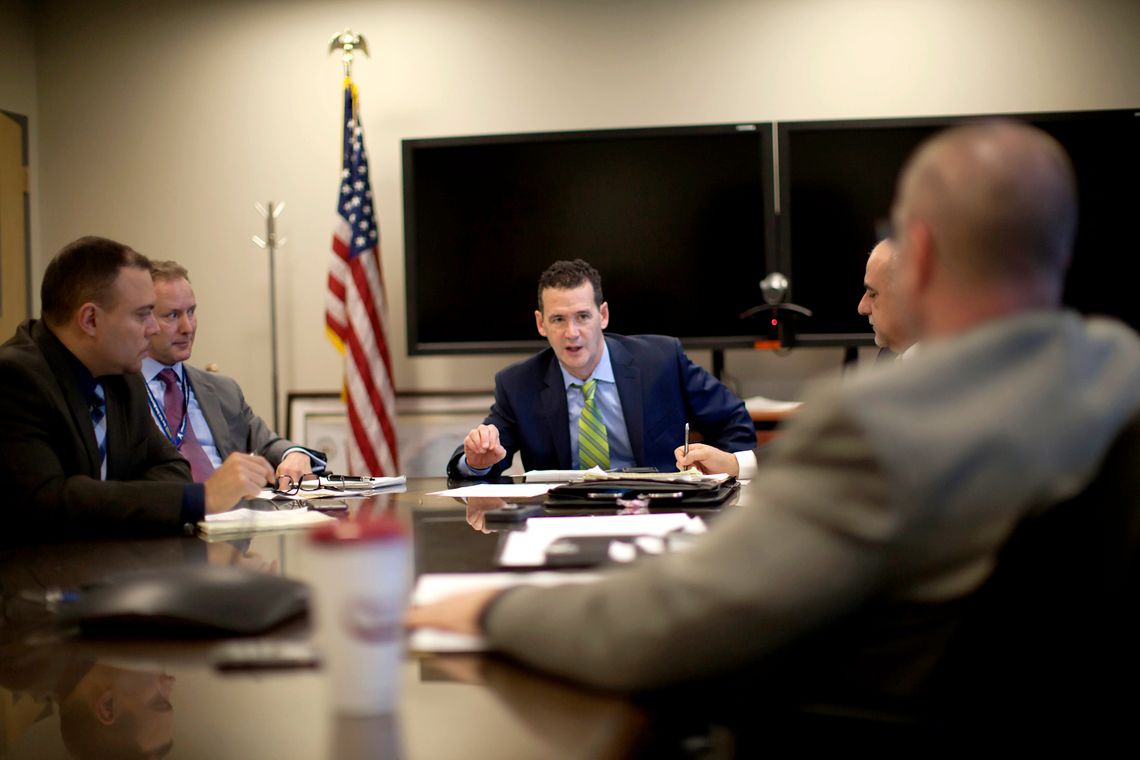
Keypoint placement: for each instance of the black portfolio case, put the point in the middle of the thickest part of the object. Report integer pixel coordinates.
(658, 493)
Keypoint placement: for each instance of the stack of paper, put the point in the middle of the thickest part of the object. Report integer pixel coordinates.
(497, 490)
(527, 548)
(249, 520)
(560, 476)
(765, 404)
(691, 475)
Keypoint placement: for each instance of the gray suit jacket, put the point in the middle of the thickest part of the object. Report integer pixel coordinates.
(232, 423)
(893, 487)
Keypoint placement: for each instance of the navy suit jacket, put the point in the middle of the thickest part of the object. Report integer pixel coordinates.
(660, 390)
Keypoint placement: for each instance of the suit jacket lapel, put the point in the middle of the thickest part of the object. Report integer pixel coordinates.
(555, 414)
(74, 402)
(211, 409)
(627, 377)
(117, 436)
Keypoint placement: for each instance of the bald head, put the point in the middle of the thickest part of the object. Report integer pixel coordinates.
(881, 304)
(984, 221)
(999, 199)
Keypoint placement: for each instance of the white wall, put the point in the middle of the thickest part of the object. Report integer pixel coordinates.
(162, 122)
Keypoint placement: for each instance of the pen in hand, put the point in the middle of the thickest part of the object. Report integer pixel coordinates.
(686, 439)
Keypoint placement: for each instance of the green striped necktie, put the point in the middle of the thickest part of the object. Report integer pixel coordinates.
(593, 445)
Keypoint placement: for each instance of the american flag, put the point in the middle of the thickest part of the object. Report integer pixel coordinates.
(355, 312)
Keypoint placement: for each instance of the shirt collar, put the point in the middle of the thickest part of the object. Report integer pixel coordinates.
(604, 371)
(151, 368)
(83, 376)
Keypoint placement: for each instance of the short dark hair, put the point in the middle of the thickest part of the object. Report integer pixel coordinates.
(168, 271)
(85, 270)
(567, 275)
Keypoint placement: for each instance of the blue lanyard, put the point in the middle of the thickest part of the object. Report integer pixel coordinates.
(156, 409)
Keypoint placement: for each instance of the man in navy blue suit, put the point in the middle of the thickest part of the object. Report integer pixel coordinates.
(591, 398)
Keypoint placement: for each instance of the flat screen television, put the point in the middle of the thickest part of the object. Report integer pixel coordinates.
(678, 221)
(837, 182)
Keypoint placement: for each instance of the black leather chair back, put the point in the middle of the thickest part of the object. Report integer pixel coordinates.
(1049, 644)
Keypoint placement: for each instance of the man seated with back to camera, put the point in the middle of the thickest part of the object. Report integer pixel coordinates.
(592, 399)
(891, 488)
(204, 414)
(79, 453)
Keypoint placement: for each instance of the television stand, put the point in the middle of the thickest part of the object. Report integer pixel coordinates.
(718, 363)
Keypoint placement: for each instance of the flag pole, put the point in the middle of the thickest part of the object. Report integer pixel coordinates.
(271, 211)
(355, 304)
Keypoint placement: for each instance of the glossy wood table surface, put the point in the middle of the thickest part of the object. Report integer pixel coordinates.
(450, 707)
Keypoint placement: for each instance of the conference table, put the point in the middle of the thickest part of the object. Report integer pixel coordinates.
(461, 706)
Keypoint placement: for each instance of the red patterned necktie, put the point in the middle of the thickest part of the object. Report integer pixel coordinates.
(173, 405)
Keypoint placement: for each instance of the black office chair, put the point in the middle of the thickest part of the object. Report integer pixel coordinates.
(1041, 654)
(1046, 651)
(1049, 645)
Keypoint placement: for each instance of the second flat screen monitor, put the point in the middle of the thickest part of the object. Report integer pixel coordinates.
(837, 179)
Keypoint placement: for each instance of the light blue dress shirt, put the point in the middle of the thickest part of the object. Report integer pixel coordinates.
(150, 370)
(609, 406)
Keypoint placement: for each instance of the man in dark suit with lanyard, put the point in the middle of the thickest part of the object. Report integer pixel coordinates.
(78, 451)
(204, 414)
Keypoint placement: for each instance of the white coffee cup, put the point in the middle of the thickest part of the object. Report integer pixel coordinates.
(360, 591)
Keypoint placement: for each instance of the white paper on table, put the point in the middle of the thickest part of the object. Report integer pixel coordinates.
(560, 476)
(242, 520)
(527, 548)
(497, 490)
(432, 587)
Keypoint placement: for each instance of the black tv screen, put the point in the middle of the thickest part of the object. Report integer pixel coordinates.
(837, 182)
(678, 221)
(1105, 149)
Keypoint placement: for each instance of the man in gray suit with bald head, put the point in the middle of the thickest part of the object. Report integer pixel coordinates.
(889, 489)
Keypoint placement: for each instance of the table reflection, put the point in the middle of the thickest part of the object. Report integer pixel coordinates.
(477, 508)
(61, 696)
(115, 711)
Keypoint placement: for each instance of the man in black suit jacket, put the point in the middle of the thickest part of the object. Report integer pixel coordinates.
(647, 390)
(98, 314)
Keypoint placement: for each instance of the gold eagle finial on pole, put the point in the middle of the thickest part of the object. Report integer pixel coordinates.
(348, 42)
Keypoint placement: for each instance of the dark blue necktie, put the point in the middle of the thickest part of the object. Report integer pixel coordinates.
(99, 420)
